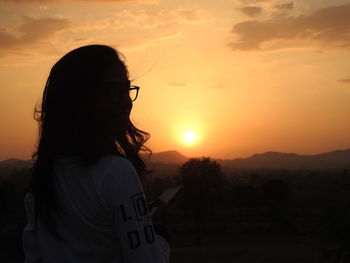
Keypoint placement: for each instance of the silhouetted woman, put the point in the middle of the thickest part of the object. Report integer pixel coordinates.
(86, 202)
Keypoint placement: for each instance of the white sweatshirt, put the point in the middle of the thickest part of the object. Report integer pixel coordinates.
(107, 221)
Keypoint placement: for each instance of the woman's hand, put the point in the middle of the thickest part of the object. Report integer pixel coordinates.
(160, 218)
(161, 215)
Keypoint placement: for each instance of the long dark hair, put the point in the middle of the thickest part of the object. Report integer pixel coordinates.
(66, 126)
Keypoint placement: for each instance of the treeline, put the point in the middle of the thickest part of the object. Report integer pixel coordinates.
(308, 203)
(252, 202)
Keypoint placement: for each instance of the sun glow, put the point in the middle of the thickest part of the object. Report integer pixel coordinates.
(189, 137)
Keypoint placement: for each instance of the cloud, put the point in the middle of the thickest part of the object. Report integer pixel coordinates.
(282, 10)
(346, 81)
(138, 40)
(326, 28)
(178, 84)
(251, 10)
(145, 27)
(285, 6)
(248, 2)
(32, 31)
(189, 15)
(150, 18)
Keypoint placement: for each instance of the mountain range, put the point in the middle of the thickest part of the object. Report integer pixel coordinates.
(339, 159)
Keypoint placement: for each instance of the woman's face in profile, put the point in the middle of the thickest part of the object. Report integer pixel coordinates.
(113, 102)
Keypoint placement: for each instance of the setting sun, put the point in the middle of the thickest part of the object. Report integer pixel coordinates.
(189, 137)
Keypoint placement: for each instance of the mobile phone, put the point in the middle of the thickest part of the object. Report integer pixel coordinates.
(166, 197)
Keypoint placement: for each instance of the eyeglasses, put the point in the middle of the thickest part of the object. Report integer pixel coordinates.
(133, 92)
(110, 90)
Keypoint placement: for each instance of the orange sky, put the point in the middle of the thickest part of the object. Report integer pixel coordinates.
(245, 76)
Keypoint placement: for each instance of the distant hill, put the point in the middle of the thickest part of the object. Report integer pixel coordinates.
(277, 160)
(168, 157)
(16, 163)
(9, 166)
(339, 159)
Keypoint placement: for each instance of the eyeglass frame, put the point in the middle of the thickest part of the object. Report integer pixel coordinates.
(131, 87)
(137, 88)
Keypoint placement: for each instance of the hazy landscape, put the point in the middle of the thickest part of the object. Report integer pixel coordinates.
(269, 207)
(338, 159)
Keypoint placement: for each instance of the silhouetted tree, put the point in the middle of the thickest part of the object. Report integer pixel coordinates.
(203, 180)
(245, 196)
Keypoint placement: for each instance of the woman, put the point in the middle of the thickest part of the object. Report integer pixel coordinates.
(86, 202)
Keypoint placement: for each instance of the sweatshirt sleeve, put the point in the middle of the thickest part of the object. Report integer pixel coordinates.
(31, 246)
(123, 195)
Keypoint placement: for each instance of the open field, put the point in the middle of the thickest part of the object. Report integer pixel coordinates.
(249, 249)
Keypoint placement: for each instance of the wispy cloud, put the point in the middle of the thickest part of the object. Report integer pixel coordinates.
(136, 40)
(251, 10)
(282, 10)
(144, 27)
(346, 81)
(325, 28)
(30, 32)
(154, 17)
(129, 29)
(178, 85)
(284, 6)
(247, 2)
